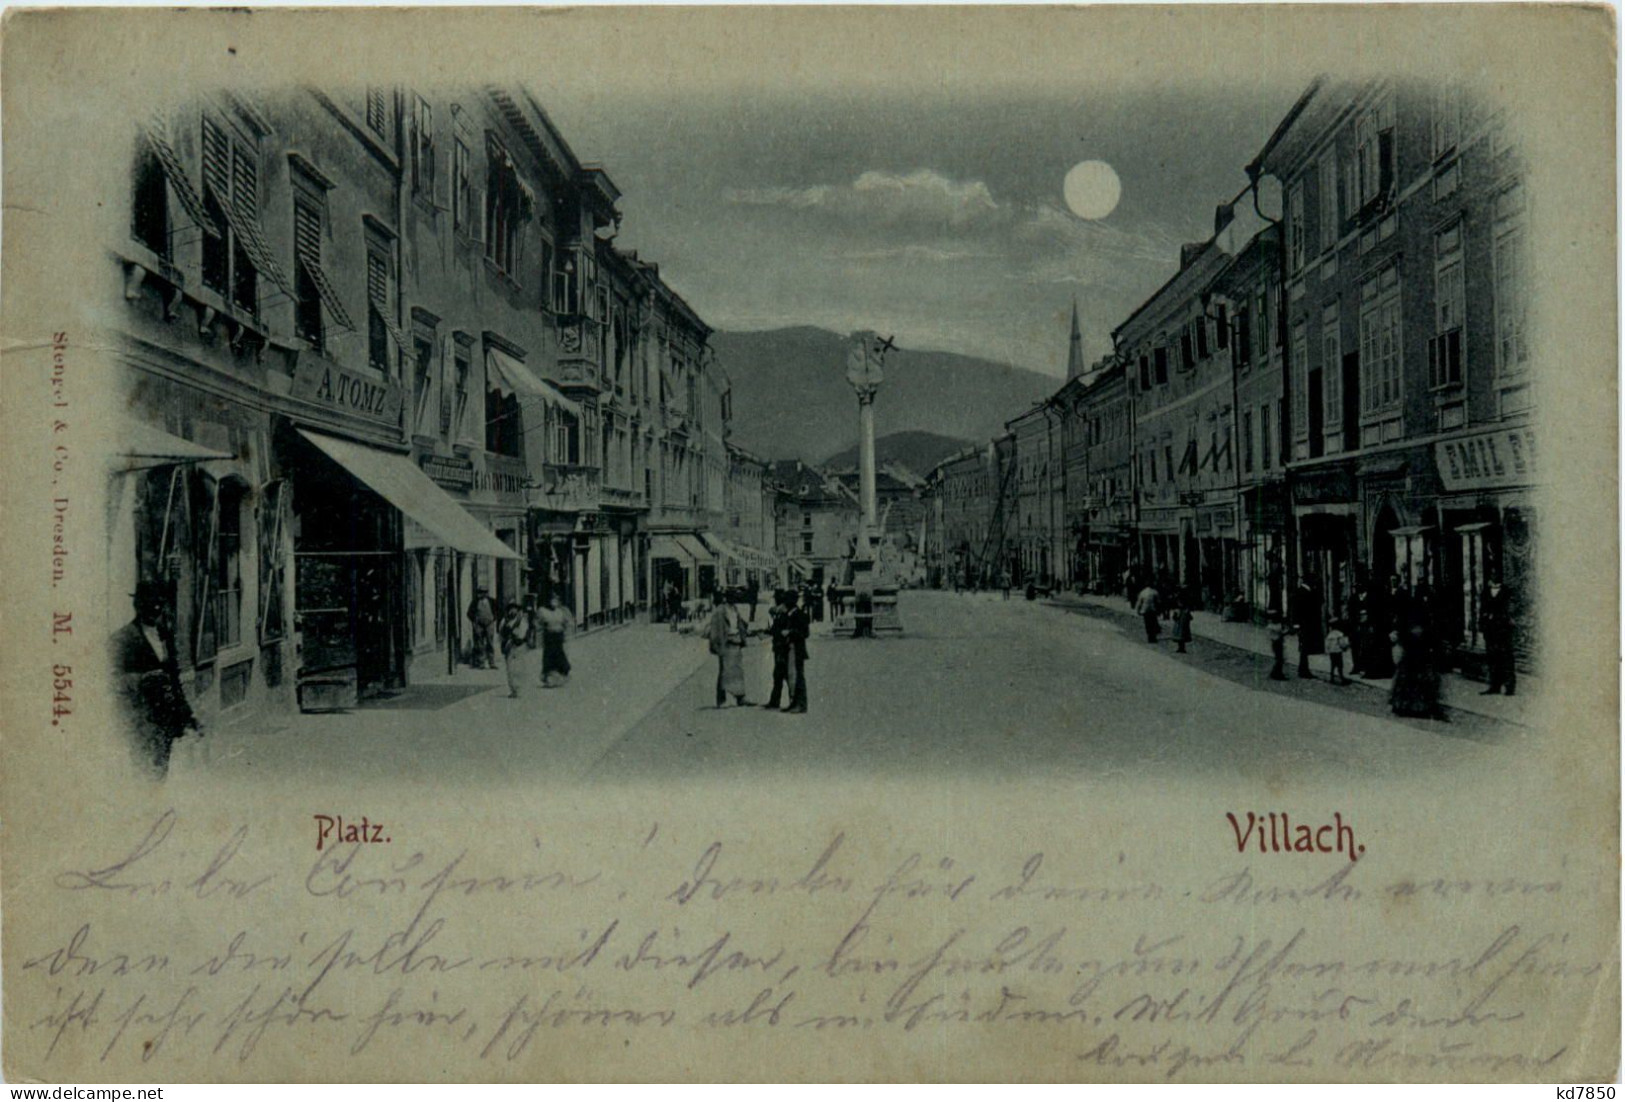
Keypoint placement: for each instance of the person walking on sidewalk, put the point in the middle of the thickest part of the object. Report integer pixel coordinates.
(1148, 605)
(1182, 621)
(1495, 619)
(727, 635)
(797, 629)
(555, 624)
(482, 615)
(1277, 634)
(515, 634)
(1306, 617)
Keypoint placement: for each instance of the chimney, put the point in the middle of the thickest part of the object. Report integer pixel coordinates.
(1188, 252)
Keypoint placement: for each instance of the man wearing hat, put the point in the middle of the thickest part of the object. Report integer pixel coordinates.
(797, 628)
(778, 631)
(152, 695)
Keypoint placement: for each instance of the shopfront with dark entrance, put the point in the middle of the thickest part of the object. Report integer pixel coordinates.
(1327, 509)
(351, 504)
(1486, 534)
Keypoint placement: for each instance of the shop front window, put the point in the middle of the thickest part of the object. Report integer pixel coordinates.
(229, 566)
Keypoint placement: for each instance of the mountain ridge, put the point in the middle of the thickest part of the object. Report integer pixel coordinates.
(916, 449)
(791, 398)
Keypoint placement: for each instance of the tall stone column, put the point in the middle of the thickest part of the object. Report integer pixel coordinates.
(863, 372)
(866, 463)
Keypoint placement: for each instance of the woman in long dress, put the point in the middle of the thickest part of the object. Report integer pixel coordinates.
(555, 624)
(515, 633)
(1415, 690)
(727, 636)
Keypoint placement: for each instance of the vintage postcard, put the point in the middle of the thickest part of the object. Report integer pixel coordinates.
(879, 544)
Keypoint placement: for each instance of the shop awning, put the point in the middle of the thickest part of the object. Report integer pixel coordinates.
(752, 557)
(696, 550)
(142, 446)
(508, 376)
(1410, 530)
(802, 567)
(719, 547)
(680, 545)
(398, 481)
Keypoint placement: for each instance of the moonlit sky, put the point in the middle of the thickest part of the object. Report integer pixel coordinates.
(937, 214)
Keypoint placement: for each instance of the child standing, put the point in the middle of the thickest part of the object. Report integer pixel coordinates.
(1277, 634)
(1337, 644)
(1182, 622)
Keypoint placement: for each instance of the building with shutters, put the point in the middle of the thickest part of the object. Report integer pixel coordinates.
(1410, 393)
(382, 353)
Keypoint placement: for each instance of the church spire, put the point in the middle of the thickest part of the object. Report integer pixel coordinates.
(1074, 354)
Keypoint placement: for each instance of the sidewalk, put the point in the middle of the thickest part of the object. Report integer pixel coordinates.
(464, 726)
(1455, 691)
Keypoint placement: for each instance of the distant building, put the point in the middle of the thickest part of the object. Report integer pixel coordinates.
(817, 519)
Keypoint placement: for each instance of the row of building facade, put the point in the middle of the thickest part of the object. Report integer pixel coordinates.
(382, 352)
(1332, 394)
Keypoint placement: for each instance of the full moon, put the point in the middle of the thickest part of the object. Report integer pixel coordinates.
(1092, 189)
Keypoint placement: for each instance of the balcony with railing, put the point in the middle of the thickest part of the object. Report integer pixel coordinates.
(568, 487)
(579, 354)
(621, 497)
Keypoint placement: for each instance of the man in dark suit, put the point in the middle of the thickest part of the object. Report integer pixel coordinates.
(1306, 615)
(797, 628)
(153, 698)
(778, 632)
(1495, 620)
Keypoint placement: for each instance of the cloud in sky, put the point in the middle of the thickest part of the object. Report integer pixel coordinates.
(922, 197)
(929, 255)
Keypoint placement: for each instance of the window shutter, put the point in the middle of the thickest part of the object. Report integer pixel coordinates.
(244, 184)
(426, 136)
(377, 280)
(1223, 332)
(307, 234)
(216, 161)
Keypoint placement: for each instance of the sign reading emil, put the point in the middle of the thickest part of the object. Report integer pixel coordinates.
(1490, 460)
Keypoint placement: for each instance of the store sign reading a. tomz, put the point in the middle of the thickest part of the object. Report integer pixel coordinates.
(331, 386)
(1505, 457)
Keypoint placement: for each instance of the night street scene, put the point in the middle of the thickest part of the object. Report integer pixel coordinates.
(489, 431)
